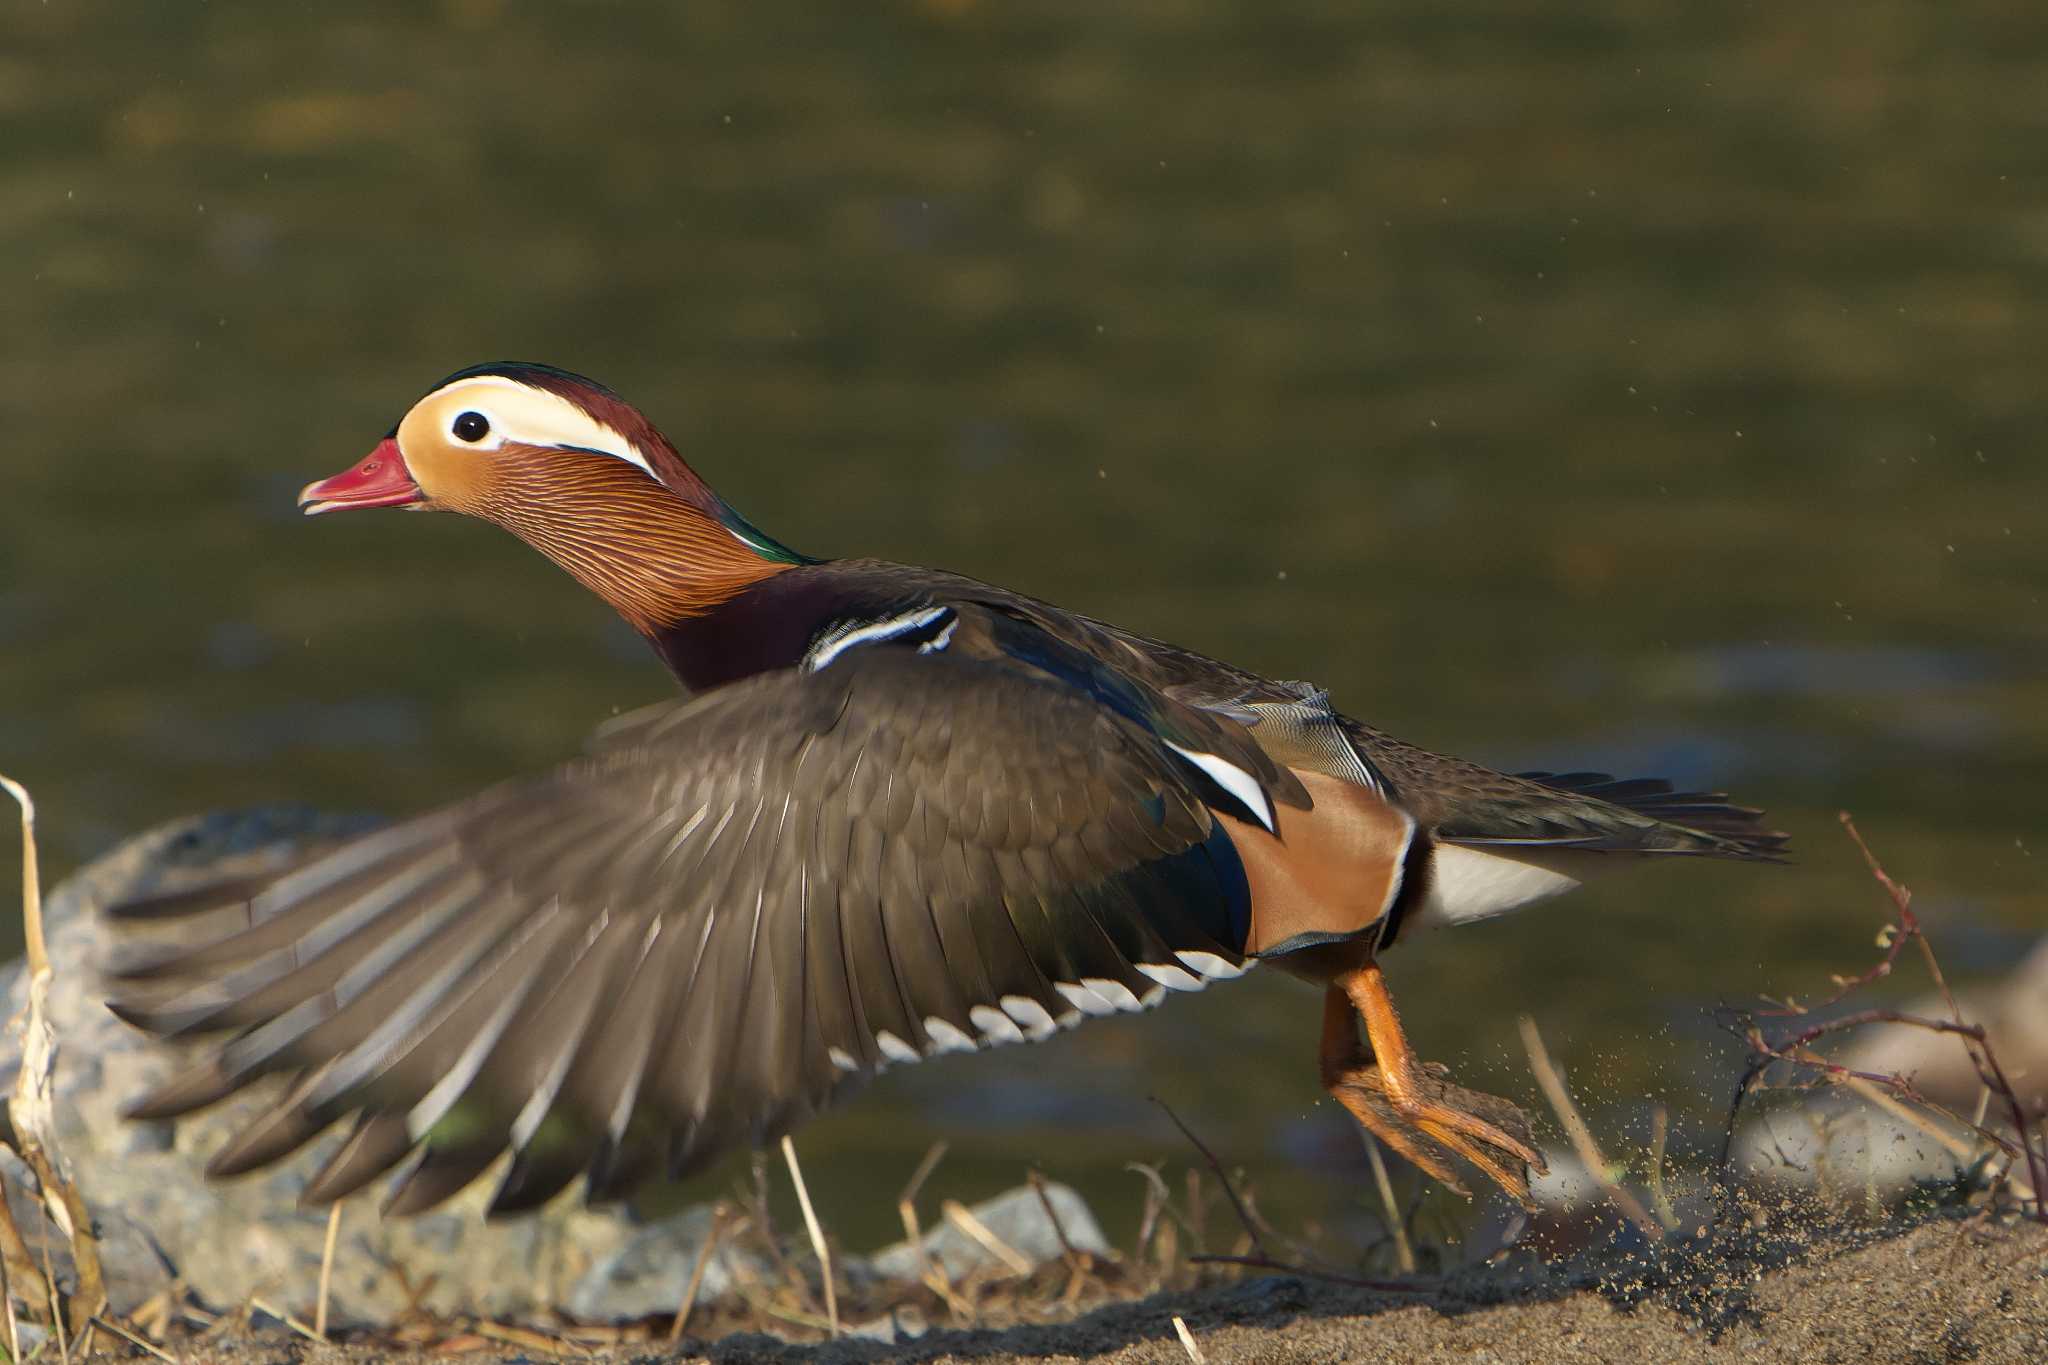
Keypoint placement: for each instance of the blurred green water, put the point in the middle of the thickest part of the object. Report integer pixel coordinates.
(1620, 385)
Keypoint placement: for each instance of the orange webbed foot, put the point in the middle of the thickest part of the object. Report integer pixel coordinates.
(1430, 1121)
(1408, 1104)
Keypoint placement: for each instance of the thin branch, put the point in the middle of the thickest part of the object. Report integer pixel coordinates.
(1976, 1042)
(1072, 1257)
(1243, 1216)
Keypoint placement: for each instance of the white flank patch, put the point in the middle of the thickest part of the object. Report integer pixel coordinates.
(1083, 999)
(838, 642)
(1152, 997)
(995, 1026)
(520, 414)
(1234, 780)
(1468, 884)
(844, 1060)
(947, 1037)
(1115, 992)
(1173, 978)
(1211, 966)
(1031, 1016)
(895, 1049)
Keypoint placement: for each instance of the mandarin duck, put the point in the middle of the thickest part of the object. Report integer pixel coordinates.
(901, 813)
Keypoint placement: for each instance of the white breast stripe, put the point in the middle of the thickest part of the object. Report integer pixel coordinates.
(1234, 780)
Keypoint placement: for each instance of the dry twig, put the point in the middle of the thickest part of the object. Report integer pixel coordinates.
(32, 1108)
(1797, 1048)
(1244, 1216)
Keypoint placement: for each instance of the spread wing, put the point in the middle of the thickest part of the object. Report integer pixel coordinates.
(698, 933)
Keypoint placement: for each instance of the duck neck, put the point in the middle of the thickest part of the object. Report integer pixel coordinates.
(656, 557)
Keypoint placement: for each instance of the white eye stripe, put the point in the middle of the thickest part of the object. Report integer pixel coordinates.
(520, 414)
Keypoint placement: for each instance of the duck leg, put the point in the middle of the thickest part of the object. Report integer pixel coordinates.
(1406, 1103)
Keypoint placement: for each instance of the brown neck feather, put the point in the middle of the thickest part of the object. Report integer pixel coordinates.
(655, 558)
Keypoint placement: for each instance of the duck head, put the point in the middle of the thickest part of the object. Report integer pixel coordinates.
(575, 471)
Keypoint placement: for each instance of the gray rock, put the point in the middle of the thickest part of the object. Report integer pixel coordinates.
(647, 1273)
(1018, 1220)
(894, 1327)
(159, 1217)
(1834, 1141)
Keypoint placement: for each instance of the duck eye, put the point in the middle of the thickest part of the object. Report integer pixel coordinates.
(472, 426)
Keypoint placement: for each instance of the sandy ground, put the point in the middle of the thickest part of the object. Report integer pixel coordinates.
(1944, 1291)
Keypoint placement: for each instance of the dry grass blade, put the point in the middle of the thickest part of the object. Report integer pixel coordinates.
(50, 1286)
(721, 1214)
(957, 1214)
(287, 1319)
(1187, 1341)
(35, 950)
(109, 1325)
(1581, 1136)
(529, 1339)
(32, 1107)
(326, 1269)
(803, 1199)
(7, 1291)
(1660, 1199)
(1404, 1254)
(906, 1205)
